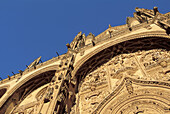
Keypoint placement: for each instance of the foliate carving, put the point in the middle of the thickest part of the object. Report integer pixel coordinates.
(129, 86)
(156, 63)
(91, 100)
(79, 41)
(142, 61)
(155, 57)
(48, 95)
(94, 79)
(123, 64)
(60, 97)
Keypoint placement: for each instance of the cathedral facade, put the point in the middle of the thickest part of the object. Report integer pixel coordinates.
(123, 70)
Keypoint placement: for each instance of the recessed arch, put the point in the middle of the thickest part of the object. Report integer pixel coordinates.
(153, 93)
(112, 42)
(39, 78)
(142, 104)
(95, 60)
(32, 75)
(108, 51)
(2, 92)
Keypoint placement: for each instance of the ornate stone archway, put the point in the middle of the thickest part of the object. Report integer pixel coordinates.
(144, 60)
(137, 96)
(27, 91)
(125, 69)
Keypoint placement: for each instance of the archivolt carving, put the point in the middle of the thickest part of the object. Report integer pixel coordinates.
(127, 59)
(151, 96)
(25, 90)
(144, 106)
(127, 47)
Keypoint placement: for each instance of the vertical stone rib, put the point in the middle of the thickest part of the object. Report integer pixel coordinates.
(141, 67)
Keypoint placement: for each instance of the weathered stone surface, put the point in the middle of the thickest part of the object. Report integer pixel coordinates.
(123, 70)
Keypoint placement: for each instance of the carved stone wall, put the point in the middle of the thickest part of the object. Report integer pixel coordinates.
(150, 62)
(26, 98)
(124, 70)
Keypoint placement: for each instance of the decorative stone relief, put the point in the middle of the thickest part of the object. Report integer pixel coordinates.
(148, 99)
(142, 65)
(88, 102)
(143, 107)
(156, 63)
(40, 94)
(121, 64)
(94, 79)
(155, 57)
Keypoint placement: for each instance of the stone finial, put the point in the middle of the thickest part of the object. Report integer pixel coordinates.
(89, 39)
(20, 71)
(83, 35)
(9, 77)
(90, 34)
(110, 26)
(79, 33)
(155, 9)
(34, 63)
(127, 21)
(136, 9)
(68, 45)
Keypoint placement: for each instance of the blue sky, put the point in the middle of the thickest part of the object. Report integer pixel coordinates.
(33, 28)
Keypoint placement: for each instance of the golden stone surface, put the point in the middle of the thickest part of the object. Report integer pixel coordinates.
(123, 70)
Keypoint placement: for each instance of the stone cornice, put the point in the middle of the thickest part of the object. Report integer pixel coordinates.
(41, 65)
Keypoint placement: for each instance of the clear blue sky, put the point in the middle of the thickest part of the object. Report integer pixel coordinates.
(33, 28)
